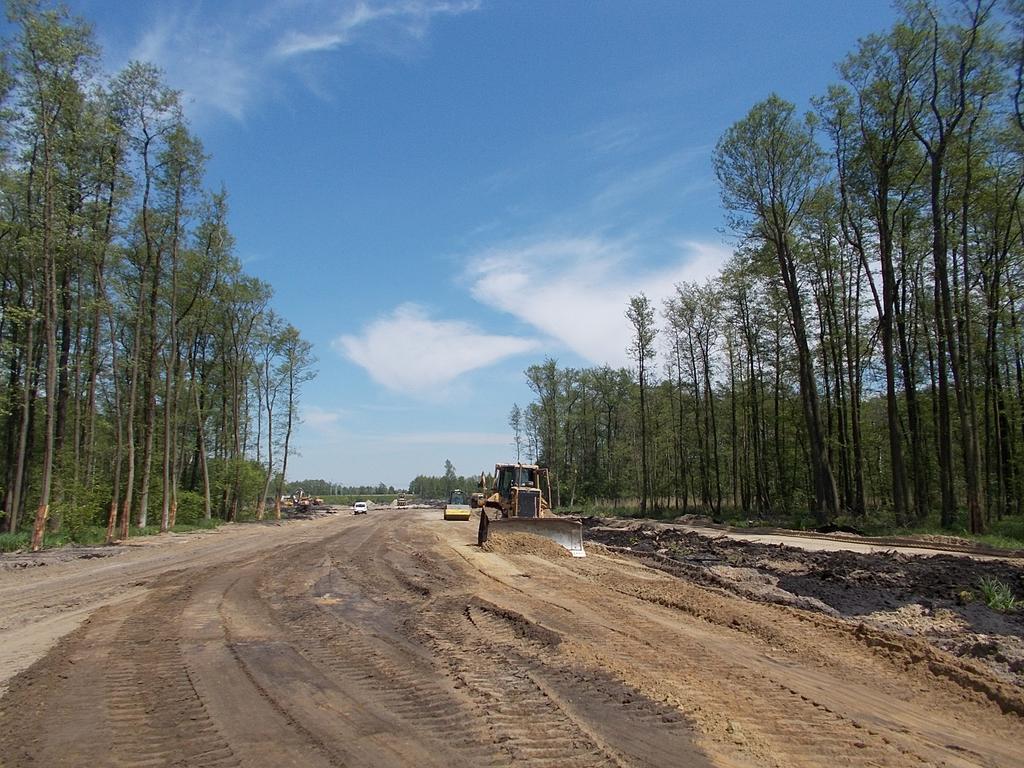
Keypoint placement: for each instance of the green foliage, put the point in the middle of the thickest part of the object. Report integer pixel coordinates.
(437, 487)
(10, 542)
(80, 508)
(79, 145)
(998, 595)
(190, 509)
(240, 476)
(198, 525)
(93, 536)
(1008, 530)
(807, 382)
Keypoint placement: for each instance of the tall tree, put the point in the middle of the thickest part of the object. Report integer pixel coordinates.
(768, 166)
(640, 314)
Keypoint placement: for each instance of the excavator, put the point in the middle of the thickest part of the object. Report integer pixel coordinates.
(516, 504)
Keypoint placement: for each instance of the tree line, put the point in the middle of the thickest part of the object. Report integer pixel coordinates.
(440, 486)
(138, 361)
(862, 351)
(326, 488)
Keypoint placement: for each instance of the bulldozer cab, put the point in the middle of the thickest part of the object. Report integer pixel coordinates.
(509, 476)
(520, 488)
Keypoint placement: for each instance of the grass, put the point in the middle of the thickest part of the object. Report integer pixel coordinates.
(998, 596)
(94, 535)
(628, 508)
(1001, 534)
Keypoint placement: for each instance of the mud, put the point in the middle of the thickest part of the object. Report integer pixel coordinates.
(935, 598)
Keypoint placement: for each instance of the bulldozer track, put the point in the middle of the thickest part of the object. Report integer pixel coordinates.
(792, 718)
(802, 720)
(364, 643)
(400, 680)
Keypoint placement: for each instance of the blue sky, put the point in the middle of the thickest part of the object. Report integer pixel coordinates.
(443, 192)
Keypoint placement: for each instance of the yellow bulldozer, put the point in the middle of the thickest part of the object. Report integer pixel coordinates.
(517, 504)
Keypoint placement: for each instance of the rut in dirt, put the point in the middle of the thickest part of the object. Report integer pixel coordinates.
(385, 645)
(357, 650)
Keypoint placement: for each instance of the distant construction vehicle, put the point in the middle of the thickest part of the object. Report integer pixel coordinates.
(303, 502)
(456, 508)
(518, 505)
(401, 502)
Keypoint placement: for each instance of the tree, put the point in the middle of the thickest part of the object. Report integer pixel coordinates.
(51, 55)
(129, 331)
(955, 80)
(640, 314)
(449, 477)
(768, 166)
(298, 369)
(515, 420)
(912, 204)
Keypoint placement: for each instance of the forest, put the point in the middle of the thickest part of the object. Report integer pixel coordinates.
(144, 380)
(439, 486)
(860, 356)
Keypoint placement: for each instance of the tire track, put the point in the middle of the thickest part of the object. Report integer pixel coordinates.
(525, 710)
(768, 714)
(156, 716)
(395, 675)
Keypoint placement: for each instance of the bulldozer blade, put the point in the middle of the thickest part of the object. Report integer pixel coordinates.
(566, 533)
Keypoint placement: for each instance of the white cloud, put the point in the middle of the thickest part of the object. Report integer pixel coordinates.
(223, 56)
(321, 419)
(410, 18)
(409, 352)
(208, 63)
(575, 290)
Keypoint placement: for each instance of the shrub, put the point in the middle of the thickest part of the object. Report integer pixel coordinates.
(82, 507)
(9, 542)
(998, 595)
(190, 508)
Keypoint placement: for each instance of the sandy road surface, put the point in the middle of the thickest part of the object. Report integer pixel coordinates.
(357, 641)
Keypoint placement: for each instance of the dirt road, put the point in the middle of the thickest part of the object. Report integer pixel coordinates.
(359, 641)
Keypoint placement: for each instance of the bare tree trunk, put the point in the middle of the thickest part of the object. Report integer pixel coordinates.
(15, 504)
(826, 494)
(201, 437)
(50, 338)
(119, 445)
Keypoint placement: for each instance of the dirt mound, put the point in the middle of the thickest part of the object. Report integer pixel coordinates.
(523, 544)
(945, 541)
(933, 598)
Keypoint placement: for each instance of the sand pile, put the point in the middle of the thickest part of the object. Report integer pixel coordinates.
(523, 544)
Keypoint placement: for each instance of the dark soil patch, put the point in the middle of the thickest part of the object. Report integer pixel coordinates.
(932, 596)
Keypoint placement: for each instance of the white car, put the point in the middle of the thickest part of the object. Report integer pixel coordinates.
(359, 508)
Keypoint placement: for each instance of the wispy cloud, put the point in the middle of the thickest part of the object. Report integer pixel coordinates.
(616, 135)
(321, 419)
(222, 56)
(587, 282)
(411, 353)
(207, 63)
(410, 18)
(624, 186)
